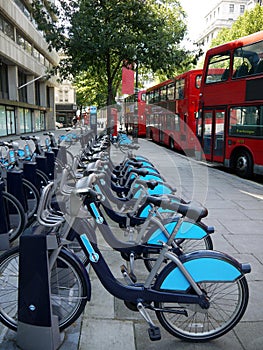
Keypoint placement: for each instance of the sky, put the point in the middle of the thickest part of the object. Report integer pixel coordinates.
(196, 11)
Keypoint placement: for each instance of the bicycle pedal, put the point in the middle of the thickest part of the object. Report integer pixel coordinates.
(154, 333)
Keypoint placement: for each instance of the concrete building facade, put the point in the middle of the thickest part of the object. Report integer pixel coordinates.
(27, 94)
(222, 15)
(65, 99)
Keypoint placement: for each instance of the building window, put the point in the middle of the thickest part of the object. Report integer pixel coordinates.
(242, 8)
(7, 28)
(20, 40)
(25, 120)
(39, 121)
(48, 94)
(37, 93)
(22, 92)
(3, 127)
(35, 53)
(66, 95)
(60, 96)
(41, 59)
(28, 47)
(3, 81)
(231, 8)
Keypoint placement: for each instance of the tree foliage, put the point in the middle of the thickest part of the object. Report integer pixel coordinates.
(248, 23)
(98, 36)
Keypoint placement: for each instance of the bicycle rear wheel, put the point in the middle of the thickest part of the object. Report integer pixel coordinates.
(15, 216)
(69, 291)
(228, 302)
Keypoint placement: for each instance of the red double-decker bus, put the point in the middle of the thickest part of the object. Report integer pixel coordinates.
(134, 114)
(230, 122)
(171, 111)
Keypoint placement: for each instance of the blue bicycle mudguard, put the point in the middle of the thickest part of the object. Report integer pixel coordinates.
(160, 189)
(125, 141)
(204, 266)
(150, 176)
(188, 230)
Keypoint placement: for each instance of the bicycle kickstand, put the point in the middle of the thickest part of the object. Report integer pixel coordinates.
(153, 331)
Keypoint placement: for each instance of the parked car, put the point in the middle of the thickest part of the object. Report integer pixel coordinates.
(59, 125)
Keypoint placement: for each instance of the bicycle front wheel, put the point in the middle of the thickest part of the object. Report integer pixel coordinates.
(228, 302)
(69, 291)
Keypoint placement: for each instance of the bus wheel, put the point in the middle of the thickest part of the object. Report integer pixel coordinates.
(243, 164)
(171, 143)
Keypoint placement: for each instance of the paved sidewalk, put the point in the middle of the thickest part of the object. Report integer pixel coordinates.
(235, 210)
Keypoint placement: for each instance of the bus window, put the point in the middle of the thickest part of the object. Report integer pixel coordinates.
(176, 122)
(163, 93)
(218, 68)
(170, 92)
(198, 80)
(179, 89)
(241, 66)
(143, 97)
(246, 121)
(156, 96)
(247, 60)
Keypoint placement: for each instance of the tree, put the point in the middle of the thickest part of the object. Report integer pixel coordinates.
(248, 23)
(99, 36)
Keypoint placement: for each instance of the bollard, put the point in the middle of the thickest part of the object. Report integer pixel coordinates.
(30, 173)
(37, 327)
(42, 163)
(15, 186)
(50, 164)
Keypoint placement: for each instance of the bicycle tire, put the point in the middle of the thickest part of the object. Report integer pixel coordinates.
(228, 302)
(69, 290)
(187, 246)
(42, 179)
(32, 197)
(16, 216)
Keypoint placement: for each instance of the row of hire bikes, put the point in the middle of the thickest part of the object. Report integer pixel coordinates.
(197, 293)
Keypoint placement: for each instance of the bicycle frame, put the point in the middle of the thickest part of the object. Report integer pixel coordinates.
(189, 269)
(189, 272)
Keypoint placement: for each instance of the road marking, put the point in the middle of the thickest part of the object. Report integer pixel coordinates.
(259, 196)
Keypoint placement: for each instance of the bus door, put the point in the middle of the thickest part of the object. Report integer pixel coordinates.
(213, 135)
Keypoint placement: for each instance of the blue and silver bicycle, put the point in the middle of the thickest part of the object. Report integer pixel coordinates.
(197, 296)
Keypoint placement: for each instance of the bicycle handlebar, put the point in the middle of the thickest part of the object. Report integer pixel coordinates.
(191, 210)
